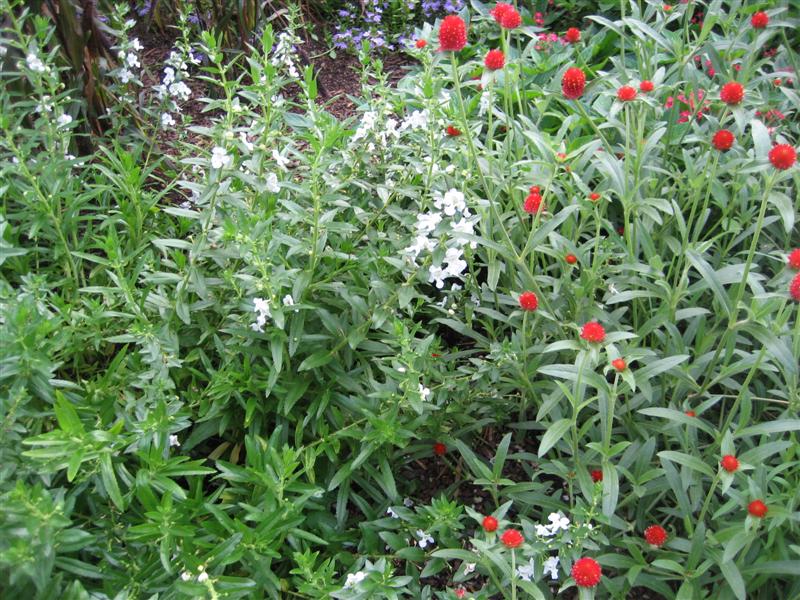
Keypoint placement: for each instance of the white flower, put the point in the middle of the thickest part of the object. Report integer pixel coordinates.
(424, 392)
(180, 90)
(281, 161)
(558, 521)
(169, 76)
(391, 513)
(132, 60)
(551, 566)
(455, 265)
(220, 158)
(130, 23)
(202, 577)
(428, 222)
(469, 568)
(263, 312)
(354, 579)
(525, 572)
(135, 44)
(464, 227)
(125, 76)
(64, 120)
(173, 441)
(186, 576)
(486, 101)
(424, 539)
(408, 502)
(35, 64)
(437, 275)
(452, 201)
(416, 120)
(544, 531)
(243, 138)
(272, 183)
(167, 120)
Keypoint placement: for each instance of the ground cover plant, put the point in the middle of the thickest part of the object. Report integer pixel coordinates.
(526, 325)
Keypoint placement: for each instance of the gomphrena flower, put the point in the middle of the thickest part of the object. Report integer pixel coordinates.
(489, 523)
(512, 538)
(593, 332)
(730, 463)
(495, 60)
(573, 35)
(439, 449)
(594, 196)
(732, 93)
(533, 203)
(782, 156)
(646, 86)
(421, 43)
(573, 83)
(571, 259)
(499, 10)
(690, 413)
(655, 535)
(759, 20)
(452, 34)
(586, 572)
(528, 301)
(619, 364)
(511, 19)
(723, 140)
(794, 259)
(626, 93)
(596, 475)
(453, 131)
(757, 508)
(794, 288)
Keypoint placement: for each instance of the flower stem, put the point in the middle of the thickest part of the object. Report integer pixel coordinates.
(513, 575)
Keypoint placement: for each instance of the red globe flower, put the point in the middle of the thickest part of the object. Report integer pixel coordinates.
(571, 259)
(667, 7)
(439, 449)
(573, 35)
(421, 43)
(528, 301)
(452, 34)
(732, 93)
(593, 332)
(597, 475)
(723, 140)
(453, 131)
(619, 364)
(489, 523)
(691, 413)
(495, 59)
(757, 508)
(730, 463)
(794, 288)
(782, 156)
(759, 20)
(511, 19)
(626, 93)
(594, 196)
(586, 572)
(512, 538)
(533, 203)
(655, 535)
(499, 10)
(573, 82)
(794, 259)
(646, 86)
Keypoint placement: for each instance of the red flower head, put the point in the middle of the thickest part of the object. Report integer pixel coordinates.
(597, 475)
(794, 288)
(495, 59)
(655, 535)
(586, 572)
(453, 131)
(723, 140)
(452, 34)
(667, 7)
(573, 35)
(512, 538)
(593, 332)
(732, 93)
(533, 203)
(794, 259)
(511, 19)
(626, 93)
(500, 9)
(460, 592)
(782, 156)
(439, 449)
(619, 364)
(594, 196)
(730, 463)
(571, 259)
(528, 301)
(534, 189)
(421, 43)
(691, 413)
(573, 82)
(759, 20)
(489, 524)
(757, 508)
(646, 86)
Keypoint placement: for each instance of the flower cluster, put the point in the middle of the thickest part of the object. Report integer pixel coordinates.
(284, 54)
(173, 88)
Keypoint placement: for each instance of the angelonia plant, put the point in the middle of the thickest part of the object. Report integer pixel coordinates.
(525, 325)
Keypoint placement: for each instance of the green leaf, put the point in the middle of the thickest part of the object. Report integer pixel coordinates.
(318, 359)
(734, 579)
(553, 434)
(687, 460)
(110, 481)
